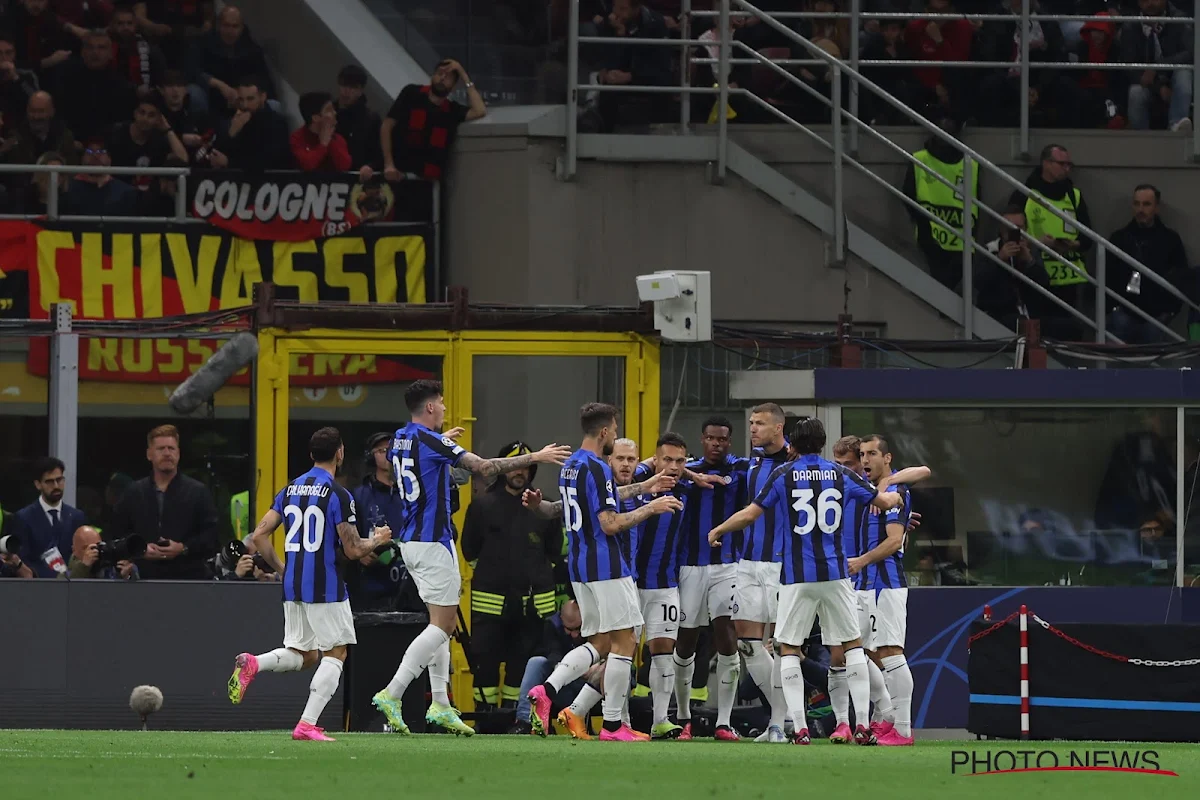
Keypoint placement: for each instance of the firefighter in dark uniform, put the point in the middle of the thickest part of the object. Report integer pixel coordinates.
(513, 588)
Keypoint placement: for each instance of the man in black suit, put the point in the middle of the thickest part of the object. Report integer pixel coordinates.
(48, 523)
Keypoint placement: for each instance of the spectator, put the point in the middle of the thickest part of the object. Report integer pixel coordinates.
(191, 126)
(355, 121)
(42, 131)
(373, 583)
(172, 512)
(1158, 248)
(422, 122)
(942, 248)
(35, 197)
(1052, 187)
(560, 635)
(1097, 104)
(223, 57)
(317, 146)
(1164, 44)
(1001, 294)
(887, 44)
(174, 24)
(42, 42)
(158, 200)
(80, 16)
(48, 522)
(944, 40)
(257, 136)
(92, 96)
(144, 142)
(632, 64)
(85, 559)
(16, 85)
(137, 60)
(999, 95)
(100, 195)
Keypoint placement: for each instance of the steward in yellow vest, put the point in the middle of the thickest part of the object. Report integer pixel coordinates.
(941, 244)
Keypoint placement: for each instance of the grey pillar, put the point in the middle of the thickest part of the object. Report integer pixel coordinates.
(64, 396)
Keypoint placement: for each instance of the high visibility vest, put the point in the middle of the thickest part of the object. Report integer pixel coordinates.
(940, 200)
(1040, 222)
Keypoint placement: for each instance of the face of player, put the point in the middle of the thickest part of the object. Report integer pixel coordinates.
(163, 454)
(51, 486)
(623, 461)
(875, 464)
(764, 430)
(608, 438)
(670, 460)
(339, 457)
(517, 480)
(436, 408)
(717, 441)
(849, 460)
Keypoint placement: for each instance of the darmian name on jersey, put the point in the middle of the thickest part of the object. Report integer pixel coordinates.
(814, 475)
(316, 490)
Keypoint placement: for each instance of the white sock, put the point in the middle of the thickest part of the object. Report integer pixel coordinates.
(900, 686)
(859, 685)
(439, 674)
(625, 708)
(779, 707)
(662, 684)
(727, 685)
(839, 695)
(616, 686)
(573, 665)
(793, 689)
(685, 669)
(281, 660)
(759, 664)
(324, 684)
(416, 658)
(585, 701)
(881, 700)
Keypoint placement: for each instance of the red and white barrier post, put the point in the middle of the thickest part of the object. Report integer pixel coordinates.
(1024, 614)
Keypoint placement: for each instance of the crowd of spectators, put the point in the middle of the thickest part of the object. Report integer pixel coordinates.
(1058, 96)
(170, 83)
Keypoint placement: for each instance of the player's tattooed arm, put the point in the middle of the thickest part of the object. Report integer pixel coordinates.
(613, 523)
(653, 485)
(491, 467)
(261, 539)
(355, 546)
(532, 499)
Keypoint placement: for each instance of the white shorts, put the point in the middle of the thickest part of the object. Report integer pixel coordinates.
(434, 568)
(757, 591)
(801, 603)
(866, 611)
(660, 613)
(607, 606)
(706, 593)
(317, 626)
(891, 618)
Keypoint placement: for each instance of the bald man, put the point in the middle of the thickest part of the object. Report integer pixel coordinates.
(85, 559)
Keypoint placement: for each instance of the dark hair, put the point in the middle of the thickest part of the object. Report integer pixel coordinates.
(883, 443)
(421, 392)
(122, 8)
(1048, 151)
(716, 421)
(173, 77)
(594, 416)
(808, 436)
(6, 36)
(443, 63)
(311, 104)
(1141, 187)
(47, 464)
(673, 439)
(770, 408)
(324, 444)
(257, 81)
(352, 75)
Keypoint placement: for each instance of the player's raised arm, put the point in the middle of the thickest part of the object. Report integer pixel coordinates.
(491, 467)
(655, 484)
(885, 549)
(613, 523)
(262, 539)
(908, 475)
(532, 499)
(886, 501)
(737, 522)
(355, 546)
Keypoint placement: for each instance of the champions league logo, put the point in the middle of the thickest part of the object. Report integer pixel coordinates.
(446, 440)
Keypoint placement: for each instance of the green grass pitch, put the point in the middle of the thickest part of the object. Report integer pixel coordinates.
(267, 765)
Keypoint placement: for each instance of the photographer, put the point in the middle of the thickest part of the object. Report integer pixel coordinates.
(999, 292)
(11, 564)
(236, 561)
(92, 558)
(374, 581)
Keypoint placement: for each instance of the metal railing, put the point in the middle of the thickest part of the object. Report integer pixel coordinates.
(842, 154)
(180, 174)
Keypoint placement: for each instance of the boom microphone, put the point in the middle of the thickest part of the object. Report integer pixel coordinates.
(240, 351)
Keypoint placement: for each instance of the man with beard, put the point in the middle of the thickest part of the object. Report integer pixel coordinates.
(49, 522)
(257, 137)
(137, 60)
(42, 131)
(512, 590)
(420, 127)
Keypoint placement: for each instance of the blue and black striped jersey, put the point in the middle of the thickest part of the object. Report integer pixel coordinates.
(889, 573)
(658, 544)
(760, 542)
(312, 506)
(422, 459)
(586, 486)
(706, 508)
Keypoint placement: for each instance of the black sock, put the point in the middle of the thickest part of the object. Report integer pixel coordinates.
(612, 726)
(551, 692)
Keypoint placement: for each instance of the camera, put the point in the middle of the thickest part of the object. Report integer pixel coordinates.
(130, 548)
(1013, 235)
(9, 545)
(232, 552)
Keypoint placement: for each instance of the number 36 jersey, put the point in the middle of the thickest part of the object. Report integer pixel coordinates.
(422, 459)
(816, 495)
(312, 506)
(585, 484)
